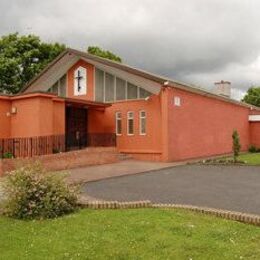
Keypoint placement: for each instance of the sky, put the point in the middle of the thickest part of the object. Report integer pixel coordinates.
(194, 41)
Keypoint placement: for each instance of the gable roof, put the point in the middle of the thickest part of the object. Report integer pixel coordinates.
(71, 56)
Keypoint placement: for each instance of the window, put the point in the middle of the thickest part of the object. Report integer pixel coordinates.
(177, 101)
(118, 123)
(131, 91)
(55, 88)
(63, 83)
(144, 93)
(109, 87)
(142, 123)
(99, 85)
(120, 89)
(59, 88)
(130, 123)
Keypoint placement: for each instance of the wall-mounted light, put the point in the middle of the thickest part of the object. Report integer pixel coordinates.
(13, 110)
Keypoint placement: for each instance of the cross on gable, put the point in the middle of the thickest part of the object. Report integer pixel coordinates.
(79, 78)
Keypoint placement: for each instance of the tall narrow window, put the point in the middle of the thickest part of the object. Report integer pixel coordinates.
(130, 123)
(109, 87)
(142, 123)
(118, 123)
(131, 91)
(99, 85)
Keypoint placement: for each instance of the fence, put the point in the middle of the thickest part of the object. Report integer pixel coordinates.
(41, 145)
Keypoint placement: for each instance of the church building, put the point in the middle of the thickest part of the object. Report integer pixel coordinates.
(82, 100)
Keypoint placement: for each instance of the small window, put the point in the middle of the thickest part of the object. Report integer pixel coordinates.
(99, 85)
(177, 101)
(120, 89)
(131, 91)
(109, 87)
(130, 123)
(144, 93)
(118, 123)
(55, 89)
(142, 122)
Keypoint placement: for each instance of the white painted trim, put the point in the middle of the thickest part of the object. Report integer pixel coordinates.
(117, 119)
(132, 118)
(254, 118)
(140, 119)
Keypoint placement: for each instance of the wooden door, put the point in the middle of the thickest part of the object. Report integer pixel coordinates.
(76, 128)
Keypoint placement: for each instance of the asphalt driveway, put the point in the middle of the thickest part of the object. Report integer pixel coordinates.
(234, 188)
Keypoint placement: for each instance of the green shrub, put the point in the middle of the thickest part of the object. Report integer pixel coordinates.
(236, 145)
(8, 155)
(56, 150)
(253, 149)
(31, 193)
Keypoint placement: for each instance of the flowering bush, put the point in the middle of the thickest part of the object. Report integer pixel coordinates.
(31, 192)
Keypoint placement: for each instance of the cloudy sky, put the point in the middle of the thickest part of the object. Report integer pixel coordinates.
(195, 41)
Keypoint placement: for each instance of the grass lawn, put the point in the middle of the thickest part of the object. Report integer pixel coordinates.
(250, 158)
(129, 234)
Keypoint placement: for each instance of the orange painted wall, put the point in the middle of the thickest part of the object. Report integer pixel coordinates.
(58, 117)
(255, 133)
(25, 123)
(203, 126)
(90, 80)
(37, 116)
(5, 121)
(149, 144)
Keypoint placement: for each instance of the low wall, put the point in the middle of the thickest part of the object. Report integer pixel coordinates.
(63, 161)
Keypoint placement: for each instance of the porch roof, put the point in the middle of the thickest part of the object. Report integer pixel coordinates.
(85, 103)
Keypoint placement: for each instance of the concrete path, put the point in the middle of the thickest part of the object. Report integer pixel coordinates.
(235, 188)
(127, 167)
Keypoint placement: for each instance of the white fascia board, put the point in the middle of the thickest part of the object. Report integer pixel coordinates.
(254, 118)
(50, 77)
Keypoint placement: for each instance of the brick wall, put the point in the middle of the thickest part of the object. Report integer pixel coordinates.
(63, 161)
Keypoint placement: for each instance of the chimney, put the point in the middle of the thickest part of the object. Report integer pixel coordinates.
(223, 88)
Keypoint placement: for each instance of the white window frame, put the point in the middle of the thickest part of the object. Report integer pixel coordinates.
(118, 118)
(141, 117)
(130, 118)
(177, 101)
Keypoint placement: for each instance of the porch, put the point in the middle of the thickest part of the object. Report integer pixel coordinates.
(79, 129)
(64, 125)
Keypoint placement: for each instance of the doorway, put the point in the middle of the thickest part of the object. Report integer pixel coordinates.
(76, 128)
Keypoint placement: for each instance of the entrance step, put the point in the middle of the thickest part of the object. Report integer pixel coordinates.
(124, 156)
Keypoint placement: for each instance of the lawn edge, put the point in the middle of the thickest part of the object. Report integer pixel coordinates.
(225, 214)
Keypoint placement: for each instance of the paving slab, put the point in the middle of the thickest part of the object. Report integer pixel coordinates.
(122, 168)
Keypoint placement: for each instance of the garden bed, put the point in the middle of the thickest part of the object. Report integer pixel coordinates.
(243, 159)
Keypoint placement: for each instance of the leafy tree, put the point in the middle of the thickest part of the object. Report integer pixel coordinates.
(103, 53)
(253, 96)
(21, 58)
(236, 144)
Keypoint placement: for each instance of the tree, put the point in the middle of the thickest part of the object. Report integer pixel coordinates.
(236, 145)
(21, 58)
(103, 53)
(253, 96)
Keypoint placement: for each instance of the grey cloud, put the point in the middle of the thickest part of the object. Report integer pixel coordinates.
(198, 41)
